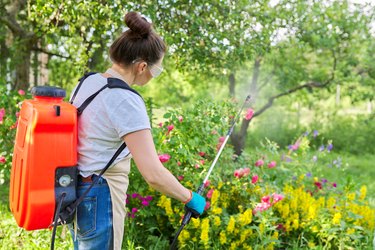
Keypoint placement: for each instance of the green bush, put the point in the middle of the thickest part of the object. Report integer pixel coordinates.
(10, 103)
(271, 198)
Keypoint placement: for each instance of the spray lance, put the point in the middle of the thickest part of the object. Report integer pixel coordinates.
(190, 212)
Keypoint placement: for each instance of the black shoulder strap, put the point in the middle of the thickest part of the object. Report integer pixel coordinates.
(80, 84)
(111, 83)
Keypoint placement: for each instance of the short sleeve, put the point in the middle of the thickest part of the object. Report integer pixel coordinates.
(126, 112)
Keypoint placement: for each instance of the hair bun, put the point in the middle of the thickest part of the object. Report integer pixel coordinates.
(138, 24)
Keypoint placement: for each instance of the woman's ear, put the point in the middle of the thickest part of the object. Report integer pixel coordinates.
(142, 67)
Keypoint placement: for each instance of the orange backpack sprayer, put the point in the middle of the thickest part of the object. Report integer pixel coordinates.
(44, 167)
(44, 158)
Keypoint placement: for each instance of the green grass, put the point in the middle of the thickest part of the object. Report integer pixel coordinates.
(13, 237)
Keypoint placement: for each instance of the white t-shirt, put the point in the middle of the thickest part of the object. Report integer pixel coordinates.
(106, 120)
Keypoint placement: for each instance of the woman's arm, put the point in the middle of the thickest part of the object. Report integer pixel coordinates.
(141, 146)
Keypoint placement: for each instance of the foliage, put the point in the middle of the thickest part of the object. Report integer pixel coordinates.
(285, 200)
(9, 107)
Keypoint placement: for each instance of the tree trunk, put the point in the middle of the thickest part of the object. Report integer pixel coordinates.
(232, 85)
(238, 138)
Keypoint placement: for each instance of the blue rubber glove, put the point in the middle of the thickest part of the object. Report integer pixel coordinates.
(197, 203)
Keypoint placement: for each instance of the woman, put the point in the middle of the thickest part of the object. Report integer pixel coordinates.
(114, 116)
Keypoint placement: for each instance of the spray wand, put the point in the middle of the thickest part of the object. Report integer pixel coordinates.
(189, 213)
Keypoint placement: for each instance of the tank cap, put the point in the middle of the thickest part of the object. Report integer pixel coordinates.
(48, 91)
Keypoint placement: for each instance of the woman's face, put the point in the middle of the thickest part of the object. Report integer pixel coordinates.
(145, 72)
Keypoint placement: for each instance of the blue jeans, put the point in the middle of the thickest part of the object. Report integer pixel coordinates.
(94, 217)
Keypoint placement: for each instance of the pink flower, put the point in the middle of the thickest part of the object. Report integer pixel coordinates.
(259, 163)
(180, 177)
(160, 124)
(164, 157)
(222, 139)
(260, 207)
(277, 198)
(294, 146)
(170, 128)
(254, 179)
(208, 204)
(2, 114)
(196, 166)
(180, 118)
(178, 163)
(318, 184)
(2, 159)
(238, 173)
(21, 92)
(201, 161)
(202, 153)
(266, 199)
(249, 114)
(207, 183)
(272, 164)
(334, 184)
(246, 171)
(209, 193)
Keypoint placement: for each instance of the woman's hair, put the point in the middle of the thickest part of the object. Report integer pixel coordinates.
(139, 42)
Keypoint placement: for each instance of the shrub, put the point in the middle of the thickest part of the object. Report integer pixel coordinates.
(271, 198)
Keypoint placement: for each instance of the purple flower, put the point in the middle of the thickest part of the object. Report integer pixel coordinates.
(145, 203)
(148, 198)
(134, 210)
(127, 201)
(315, 133)
(306, 133)
(329, 147)
(308, 175)
(321, 148)
(324, 180)
(135, 195)
(334, 184)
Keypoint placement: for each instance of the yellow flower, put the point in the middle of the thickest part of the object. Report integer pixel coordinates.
(285, 211)
(362, 193)
(217, 221)
(231, 224)
(295, 224)
(275, 235)
(311, 244)
(246, 217)
(350, 231)
(314, 229)
(217, 210)
(233, 246)
(331, 202)
(215, 197)
(220, 185)
(196, 222)
(184, 236)
(247, 247)
(205, 227)
(165, 202)
(336, 218)
(350, 196)
(223, 238)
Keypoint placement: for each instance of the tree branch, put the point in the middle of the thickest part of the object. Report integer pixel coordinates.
(307, 85)
(50, 53)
